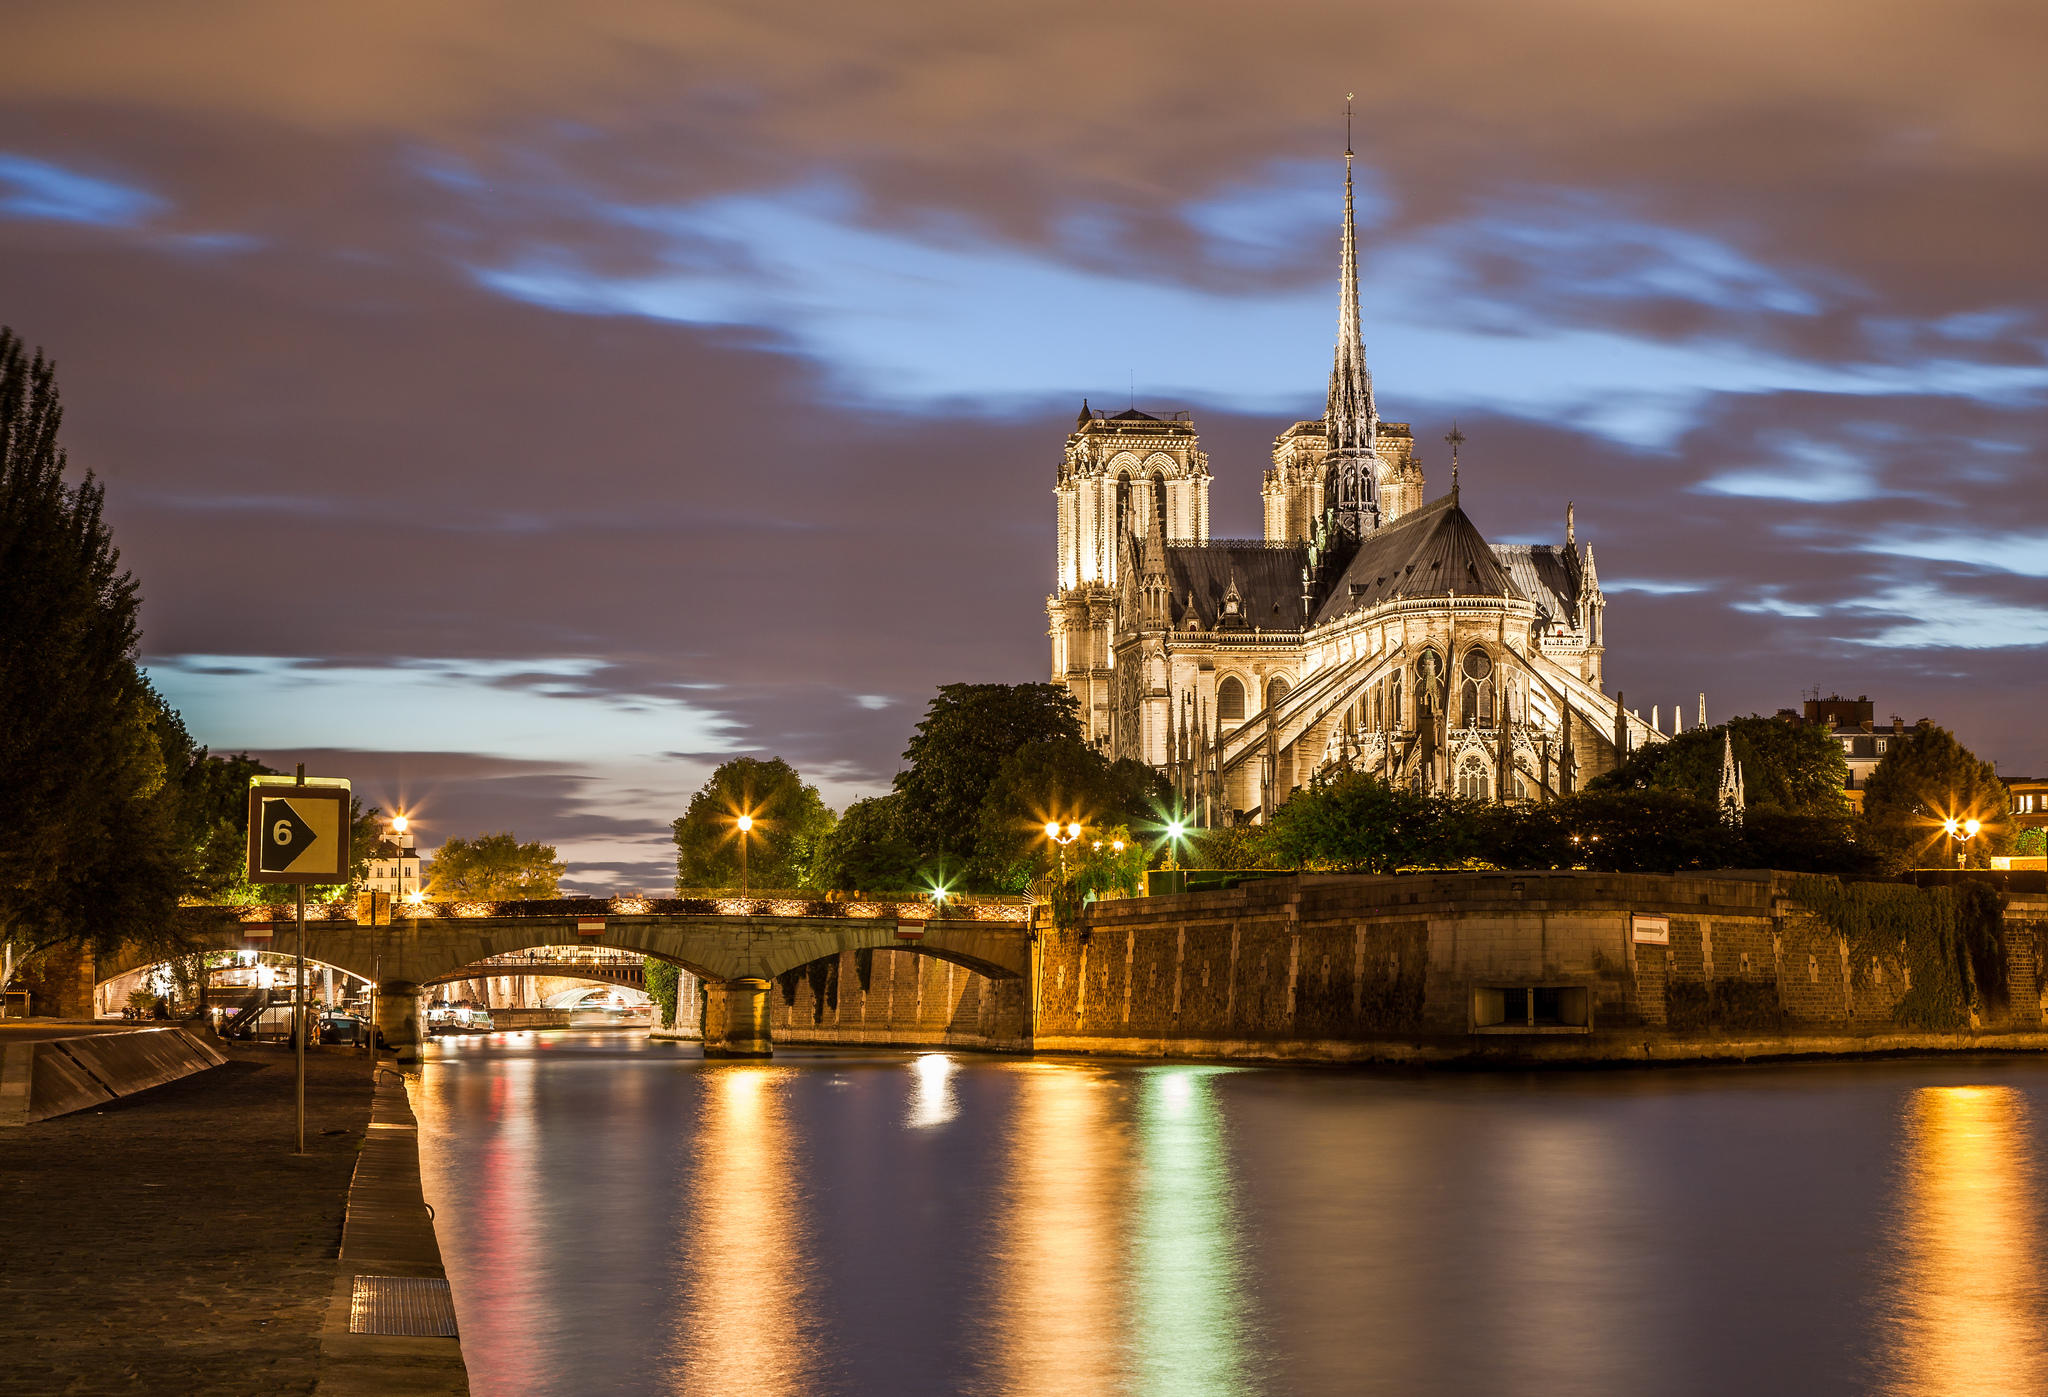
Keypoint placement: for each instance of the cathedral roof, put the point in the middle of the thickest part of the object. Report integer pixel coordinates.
(1429, 552)
(1133, 415)
(1545, 574)
(1268, 581)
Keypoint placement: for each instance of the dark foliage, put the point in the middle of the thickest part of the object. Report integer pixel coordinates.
(867, 850)
(1791, 767)
(91, 849)
(1922, 780)
(968, 733)
(790, 820)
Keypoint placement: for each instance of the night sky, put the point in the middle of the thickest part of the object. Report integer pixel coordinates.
(516, 408)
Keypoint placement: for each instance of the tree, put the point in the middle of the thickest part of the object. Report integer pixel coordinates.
(1653, 831)
(493, 868)
(1350, 821)
(968, 733)
(1066, 780)
(1794, 767)
(866, 850)
(790, 819)
(89, 848)
(1926, 778)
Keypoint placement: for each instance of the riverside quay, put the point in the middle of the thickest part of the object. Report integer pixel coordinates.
(1538, 966)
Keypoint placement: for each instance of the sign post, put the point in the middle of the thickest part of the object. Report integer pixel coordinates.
(298, 834)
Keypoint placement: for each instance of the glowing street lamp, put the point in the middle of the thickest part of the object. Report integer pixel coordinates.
(1962, 831)
(745, 825)
(1176, 834)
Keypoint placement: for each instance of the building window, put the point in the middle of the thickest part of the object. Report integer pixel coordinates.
(1472, 779)
(1477, 708)
(1230, 701)
(1276, 689)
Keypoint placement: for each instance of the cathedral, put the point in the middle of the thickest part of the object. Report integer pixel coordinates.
(1372, 628)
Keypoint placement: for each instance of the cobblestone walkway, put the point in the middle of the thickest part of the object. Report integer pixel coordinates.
(171, 1242)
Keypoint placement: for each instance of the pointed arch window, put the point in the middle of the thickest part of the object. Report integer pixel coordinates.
(1230, 701)
(1472, 779)
(1123, 503)
(1276, 690)
(1476, 710)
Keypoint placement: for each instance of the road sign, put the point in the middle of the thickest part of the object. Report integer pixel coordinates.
(298, 833)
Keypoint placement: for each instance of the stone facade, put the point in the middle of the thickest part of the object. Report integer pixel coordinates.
(1369, 627)
(1480, 966)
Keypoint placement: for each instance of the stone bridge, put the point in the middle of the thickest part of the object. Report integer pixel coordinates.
(737, 954)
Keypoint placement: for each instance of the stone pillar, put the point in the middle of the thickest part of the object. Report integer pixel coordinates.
(398, 1016)
(736, 1019)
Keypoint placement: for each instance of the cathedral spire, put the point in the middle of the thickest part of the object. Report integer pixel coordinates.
(1351, 417)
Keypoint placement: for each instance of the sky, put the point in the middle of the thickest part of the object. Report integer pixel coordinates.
(519, 408)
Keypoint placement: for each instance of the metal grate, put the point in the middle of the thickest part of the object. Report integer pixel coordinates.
(419, 1306)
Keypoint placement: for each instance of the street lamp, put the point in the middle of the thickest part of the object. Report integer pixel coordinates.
(745, 825)
(1962, 831)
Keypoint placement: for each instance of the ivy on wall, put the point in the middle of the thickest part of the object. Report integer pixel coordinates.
(1948, 941)
(663, 981)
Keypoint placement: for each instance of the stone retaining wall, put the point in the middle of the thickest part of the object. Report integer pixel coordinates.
(1334, 968)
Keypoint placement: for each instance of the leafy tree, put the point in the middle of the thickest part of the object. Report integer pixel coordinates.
(1107, 863)
(866, 849)
(790, 820)
(1350, 821)
(1924, 779)
(1066, 780)
(1232, 847)
(1793, 767)
(493, 868)
(2031, 843)
(968, 733)
(1645, 831)
(89, 846)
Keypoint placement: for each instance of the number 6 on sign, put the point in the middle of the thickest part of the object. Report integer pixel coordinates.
(298, 833)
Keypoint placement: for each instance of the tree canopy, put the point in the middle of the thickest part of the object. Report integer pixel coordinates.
(790, 820)
(1063, 779)
(493, 868)
(1923, 779)
(968, 733)
(90, 849)
(1794, 767)
(867, 850)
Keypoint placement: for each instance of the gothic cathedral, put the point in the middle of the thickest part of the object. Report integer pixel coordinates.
(1370, 629)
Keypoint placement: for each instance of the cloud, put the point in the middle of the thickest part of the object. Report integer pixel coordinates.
(37, 189)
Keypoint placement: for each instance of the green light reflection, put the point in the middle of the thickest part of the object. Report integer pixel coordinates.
(1189, 1276)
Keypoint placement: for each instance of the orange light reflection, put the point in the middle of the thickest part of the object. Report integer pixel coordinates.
(1967, 1315)
(744, 1325)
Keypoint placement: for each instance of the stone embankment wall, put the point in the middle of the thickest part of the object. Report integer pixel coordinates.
(1480, 966)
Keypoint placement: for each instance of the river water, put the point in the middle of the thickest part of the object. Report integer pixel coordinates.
(623, 1217)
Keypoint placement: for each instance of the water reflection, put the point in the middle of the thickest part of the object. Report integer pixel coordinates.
(932, 1099)
(744, 1324)
(1188, 1281)
(1967, 1313)
(1056, 1290)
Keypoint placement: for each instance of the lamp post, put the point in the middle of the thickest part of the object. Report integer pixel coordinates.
(745, 825)
(1176, 830)
(1962, 831)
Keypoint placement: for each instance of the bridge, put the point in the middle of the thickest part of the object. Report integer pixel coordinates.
(574, 963)
(737, 947)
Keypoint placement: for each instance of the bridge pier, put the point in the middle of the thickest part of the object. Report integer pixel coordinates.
(398, 1017)
(736, 1019)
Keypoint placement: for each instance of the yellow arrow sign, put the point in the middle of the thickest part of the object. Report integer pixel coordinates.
(298, 833)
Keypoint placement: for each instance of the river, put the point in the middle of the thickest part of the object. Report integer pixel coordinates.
(623, 1217)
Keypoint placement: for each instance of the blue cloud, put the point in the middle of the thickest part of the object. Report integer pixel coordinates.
(940, 314)
(36, 189)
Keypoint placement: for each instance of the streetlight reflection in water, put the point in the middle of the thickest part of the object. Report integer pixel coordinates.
(745, 1324)
(1967, 1313)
